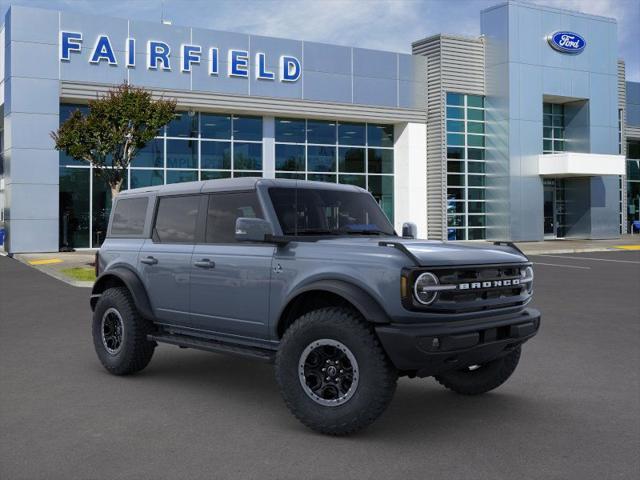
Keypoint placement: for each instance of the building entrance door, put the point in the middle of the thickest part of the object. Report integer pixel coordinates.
(555, 208)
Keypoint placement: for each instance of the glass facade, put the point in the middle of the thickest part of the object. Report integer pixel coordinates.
(344, 152)
(633, 182)
(194, 146)
(466, 173)
(552, 128)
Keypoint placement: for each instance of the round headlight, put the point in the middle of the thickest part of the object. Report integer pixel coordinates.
(423, 288)
(526, 275)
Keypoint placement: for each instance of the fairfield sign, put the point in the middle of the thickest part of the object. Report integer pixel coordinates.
(159, 56)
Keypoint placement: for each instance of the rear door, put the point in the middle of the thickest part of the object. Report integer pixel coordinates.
(230, 281)
(165, 259)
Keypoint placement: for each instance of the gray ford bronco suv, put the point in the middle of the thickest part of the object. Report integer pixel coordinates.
(310, 276)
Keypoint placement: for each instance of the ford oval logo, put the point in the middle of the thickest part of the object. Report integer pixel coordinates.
(567, 42)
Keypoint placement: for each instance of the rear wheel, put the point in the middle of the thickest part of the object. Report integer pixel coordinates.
(120, 333)
(332, 372)
(478, 379)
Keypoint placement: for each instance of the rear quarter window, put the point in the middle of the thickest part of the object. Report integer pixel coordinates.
(129, 216)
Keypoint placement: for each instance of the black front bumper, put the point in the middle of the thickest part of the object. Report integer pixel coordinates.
(430, 349)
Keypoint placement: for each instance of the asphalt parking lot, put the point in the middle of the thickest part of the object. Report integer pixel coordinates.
(571, 410)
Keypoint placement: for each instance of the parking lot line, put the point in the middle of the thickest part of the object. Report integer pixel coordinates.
(590, 258)
(559, 265)
(628, 247)
(47, 261)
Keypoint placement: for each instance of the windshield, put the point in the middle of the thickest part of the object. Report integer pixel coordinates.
(308, 211)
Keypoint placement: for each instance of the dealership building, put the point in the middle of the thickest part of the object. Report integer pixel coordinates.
(527, 132)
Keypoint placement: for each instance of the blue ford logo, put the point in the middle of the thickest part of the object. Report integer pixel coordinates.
(567, 42)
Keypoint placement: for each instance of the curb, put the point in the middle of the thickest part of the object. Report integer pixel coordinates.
(571, 250)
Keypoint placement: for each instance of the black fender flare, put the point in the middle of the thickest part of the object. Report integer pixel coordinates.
(370, 309)
(133, 283)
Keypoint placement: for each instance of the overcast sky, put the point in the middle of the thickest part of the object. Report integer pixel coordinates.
(379, 24)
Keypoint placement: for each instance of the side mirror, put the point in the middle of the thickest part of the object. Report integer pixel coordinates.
(252, 229)
(409, 230)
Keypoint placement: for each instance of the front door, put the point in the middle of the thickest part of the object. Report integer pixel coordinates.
(230, 281)
(164, 262)
(555, 208)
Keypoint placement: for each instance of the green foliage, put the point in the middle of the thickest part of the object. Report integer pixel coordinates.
(83, 274)
(117, 126)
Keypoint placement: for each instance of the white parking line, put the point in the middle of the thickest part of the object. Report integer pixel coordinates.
(558, 265)
(590, 258)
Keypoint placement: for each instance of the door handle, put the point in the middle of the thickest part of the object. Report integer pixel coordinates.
(149, 260)
(204, 263)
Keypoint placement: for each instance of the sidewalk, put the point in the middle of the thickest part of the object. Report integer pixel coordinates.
(58, 265)
(626, 242)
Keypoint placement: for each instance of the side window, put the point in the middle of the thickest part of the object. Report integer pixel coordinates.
(224, 210)
(129, 216)
(176, 219)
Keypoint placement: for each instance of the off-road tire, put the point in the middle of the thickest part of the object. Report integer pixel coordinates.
(489, 376)
(377, 377)
(136, 351)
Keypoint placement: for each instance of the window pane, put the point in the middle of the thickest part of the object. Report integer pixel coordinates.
(238, 174)
(558, 145)
(455, 220)
(455, 98)
(224, 209)
(381, 187)
(67, 160)
(247, 128)
(476, 167)
(557, 108)
(476, 234)
(546, 108)
(101, 208)
(455, 180)
(633, 169)
(179, 176)
(547, 145)
(379, 135)
(204, 175)
(476, 220)
(290, 130)
(558, 121)
(215, 126)
(475, 101)
(321, 159)
(455, 139)
(129, 216)
(351, 134)
(475, 140)
(477, 115)
(547, 132)
(558, 133)
(475, 154)
(74, 207)
(319, 131)
(321, 178)
(475, 127)
(215, 155)
(455, 207)
(176, 219)
(66, 109)
(547, 120)
(476, 193)
(290, 157)
(455, 152)
(477, 207)
(455, 167)
(351, 160)
(183, 125)
(456, 234)
(146, 178)
(380, 161)
(357, 180)
(151, 155)
(633, 149)
(454, 112)
(455, 126)
(182, 154)
(476, 180)
(247, 156)
(292, 176)
(455, 193)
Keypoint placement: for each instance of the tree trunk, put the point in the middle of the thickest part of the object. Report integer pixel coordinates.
(115, 189)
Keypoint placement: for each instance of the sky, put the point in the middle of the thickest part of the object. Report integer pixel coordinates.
(378, 24)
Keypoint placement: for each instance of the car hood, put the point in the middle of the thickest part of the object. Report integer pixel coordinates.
(436, 253)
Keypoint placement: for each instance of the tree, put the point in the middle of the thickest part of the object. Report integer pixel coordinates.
(117, 126)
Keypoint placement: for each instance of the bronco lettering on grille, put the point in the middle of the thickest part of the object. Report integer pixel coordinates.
(489, 284)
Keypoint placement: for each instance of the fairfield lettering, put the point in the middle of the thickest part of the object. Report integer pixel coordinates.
(159, 56)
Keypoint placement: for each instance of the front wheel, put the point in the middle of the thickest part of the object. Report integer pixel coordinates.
(332, 372)
(478, 379)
